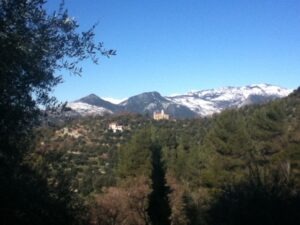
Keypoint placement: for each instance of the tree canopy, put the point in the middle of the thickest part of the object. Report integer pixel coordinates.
(35, 46)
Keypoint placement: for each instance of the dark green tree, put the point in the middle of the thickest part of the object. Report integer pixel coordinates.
(135, 157)
(35, 48)
(230, 148)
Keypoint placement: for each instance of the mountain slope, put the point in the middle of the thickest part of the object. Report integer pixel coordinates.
(94, 100)
(207, 102)
(149, 102)
(94, 105)
(196, 103)
(86, 109)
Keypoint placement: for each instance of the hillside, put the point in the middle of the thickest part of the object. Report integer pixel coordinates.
(191, 171)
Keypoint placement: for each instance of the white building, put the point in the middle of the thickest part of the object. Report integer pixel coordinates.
(115, 127)
(160, 115)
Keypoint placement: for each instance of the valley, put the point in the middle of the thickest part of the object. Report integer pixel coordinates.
(187, 171)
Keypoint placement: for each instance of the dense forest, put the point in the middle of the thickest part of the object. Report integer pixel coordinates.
(237, 167)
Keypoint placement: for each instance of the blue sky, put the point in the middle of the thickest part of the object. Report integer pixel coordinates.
(174, 46)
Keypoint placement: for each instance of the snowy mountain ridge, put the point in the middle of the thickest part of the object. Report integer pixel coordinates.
(192, 104)
(85, 109)
(207, 102)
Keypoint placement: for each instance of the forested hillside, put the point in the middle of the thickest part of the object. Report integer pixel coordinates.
(238, 167)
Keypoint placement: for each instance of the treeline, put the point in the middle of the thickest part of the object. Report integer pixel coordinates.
(238, 167)
(244, 169)
(85, 150)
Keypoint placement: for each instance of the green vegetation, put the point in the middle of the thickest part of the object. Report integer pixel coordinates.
(35, 47)
(238, 167)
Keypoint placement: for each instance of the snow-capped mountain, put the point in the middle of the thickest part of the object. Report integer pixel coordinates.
(85, 109)
(149, 102)
(190, 105)
(94, 100)
(207, 102)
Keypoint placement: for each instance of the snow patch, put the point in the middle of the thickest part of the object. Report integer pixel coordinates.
(85, 109)
(210, 101)
(114, 100)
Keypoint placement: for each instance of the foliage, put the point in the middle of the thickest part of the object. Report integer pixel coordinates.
(249, 203)
(35, 46)
(135, 157)
(126, 205)
(176, 199)
(221, 170)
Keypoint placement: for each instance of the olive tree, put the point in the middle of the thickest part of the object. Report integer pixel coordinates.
(35, 47)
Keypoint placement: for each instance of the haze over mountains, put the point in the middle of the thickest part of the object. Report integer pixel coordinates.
(192, 104)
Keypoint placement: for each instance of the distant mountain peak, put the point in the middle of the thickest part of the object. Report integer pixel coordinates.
(96, 101)
(90, 96)
(150, 102)
(93, 96)
(149, 95)
(194, 103)
(207, 102)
